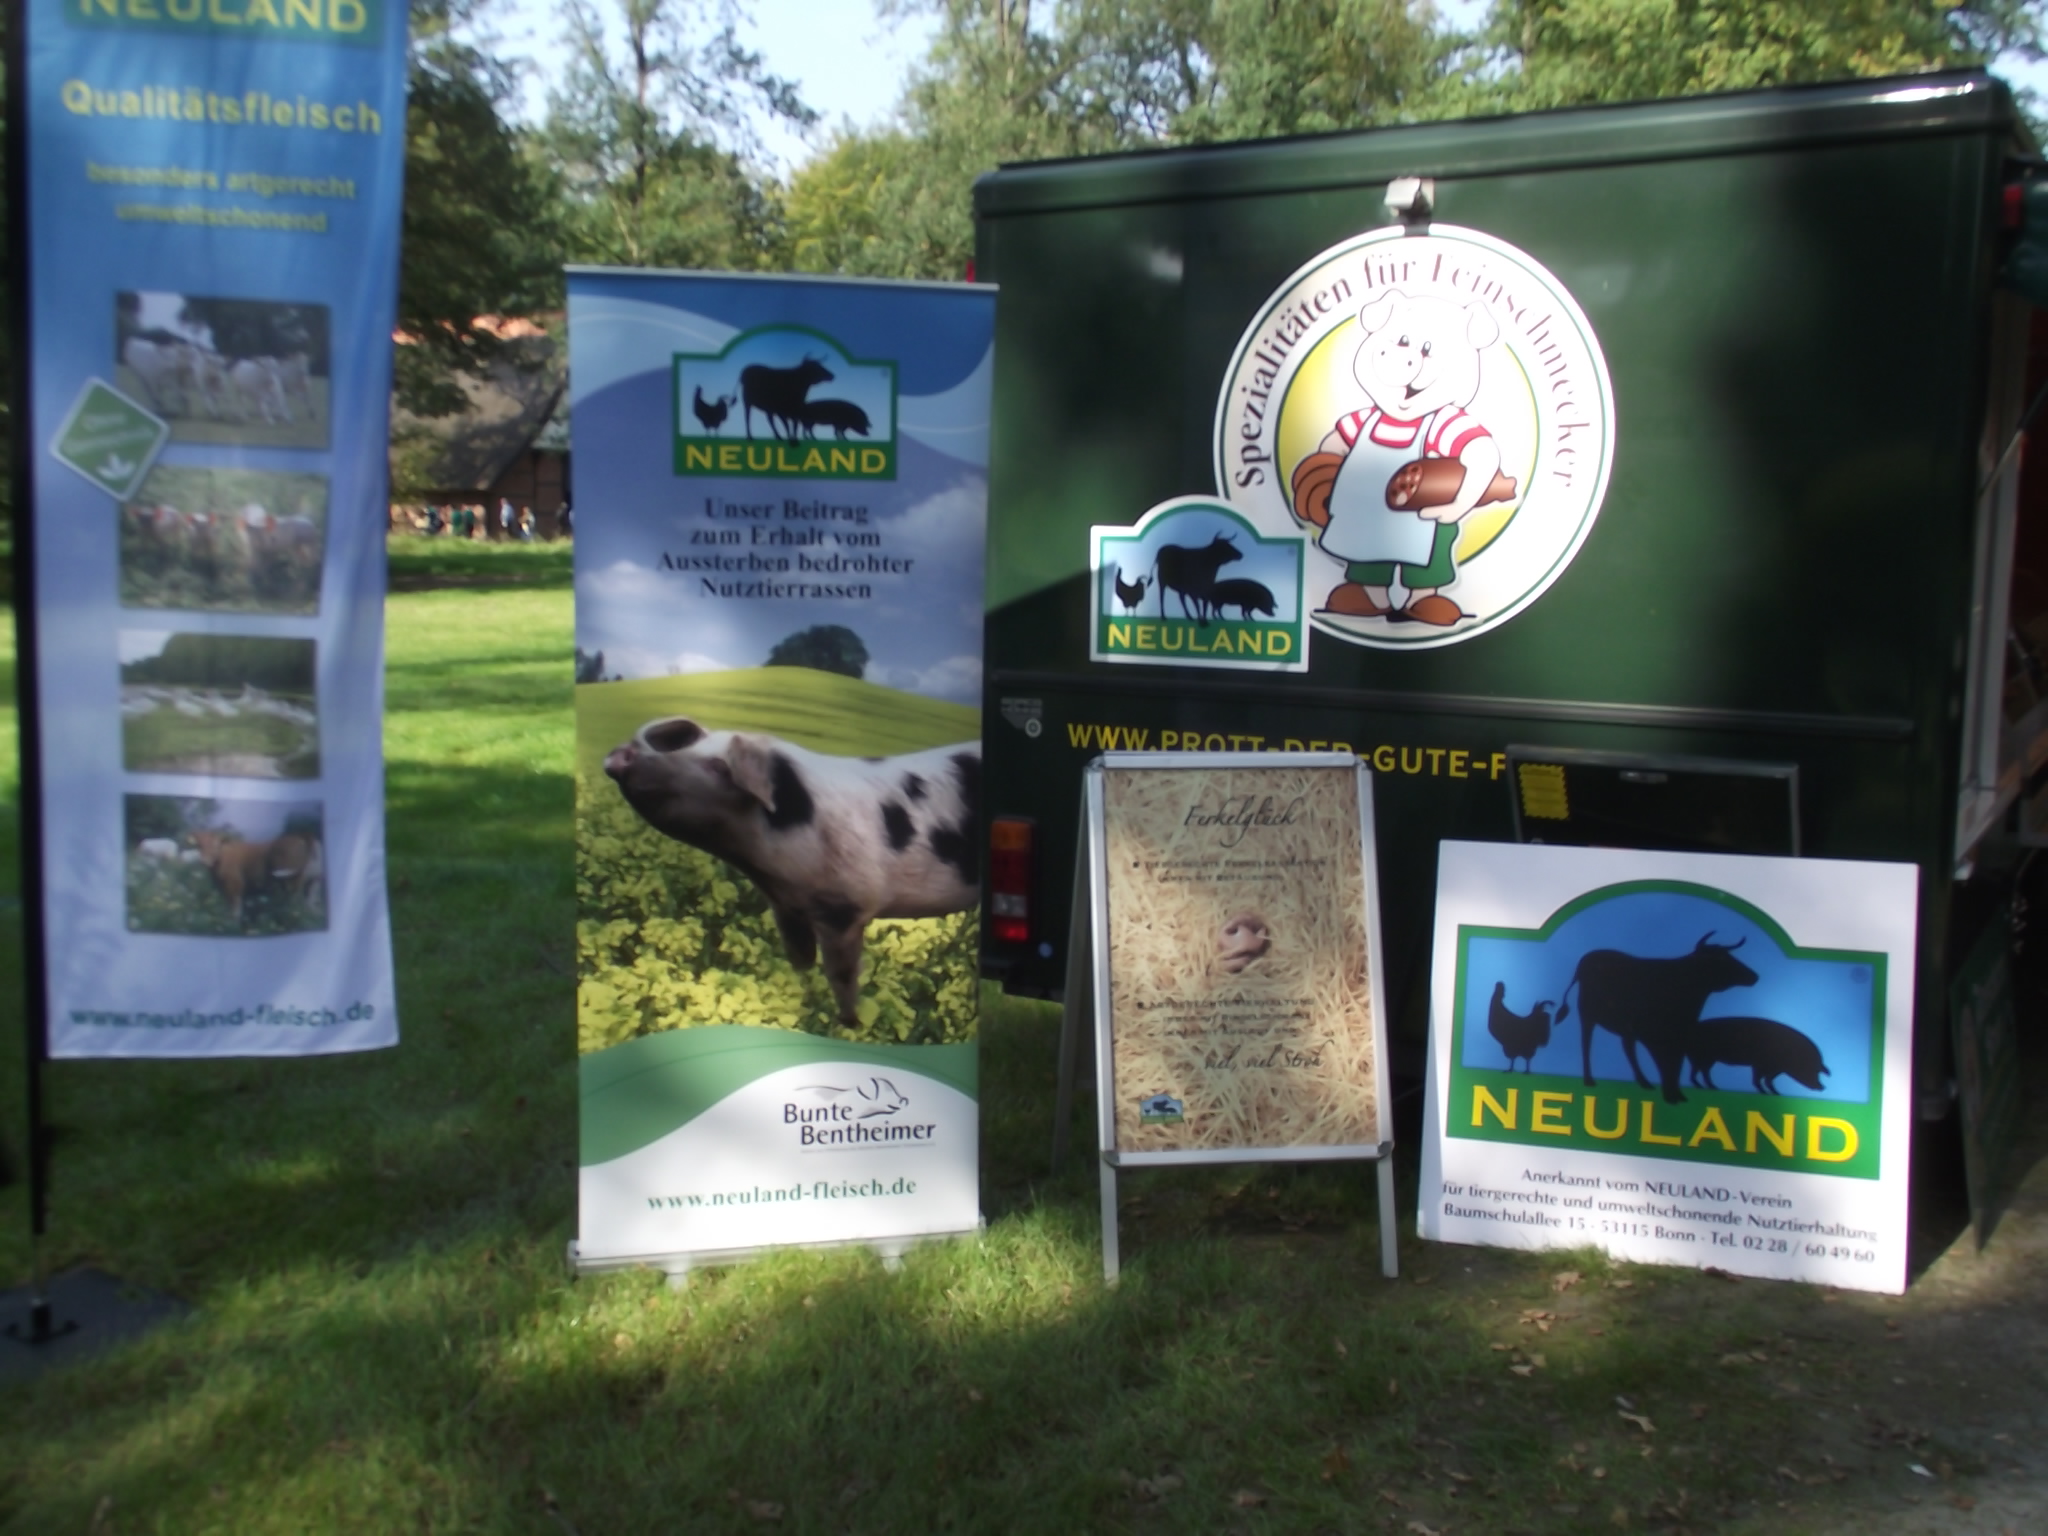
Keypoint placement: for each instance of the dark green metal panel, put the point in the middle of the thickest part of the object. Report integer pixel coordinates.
(1792, 290)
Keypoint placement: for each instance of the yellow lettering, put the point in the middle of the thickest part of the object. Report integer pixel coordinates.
(1620, 1120)
(1815, 1125)
(110, 7)
(1458, 761)
(696, 455)
(1148, 637)
(1383, 759)
(814, 462)
(873, 461)
(1649, 1133)
(764, 461)
(317, 115)
(142, 10)
(1546, 1113)
(1167, 739)
(1712, 1127)
(302, 11)
(368, 119)
(1483, 1103)
(842, 461)
(1497, 765)
(1214, 743)
(1172, 632)
(1119, 634)
(78, 97)
(1756, 1125)
(1417, 767)
(261, 10)
(728, 453)
(220, 17)
(347, 15)
(1279, 643)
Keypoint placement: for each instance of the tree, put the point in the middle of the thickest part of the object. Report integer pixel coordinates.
(824, 648)
(478, 240)
(1546, 53)
(650, 150)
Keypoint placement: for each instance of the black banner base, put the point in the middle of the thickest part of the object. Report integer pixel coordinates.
(78, 1314)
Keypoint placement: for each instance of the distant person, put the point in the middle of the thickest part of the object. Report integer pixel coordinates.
(526, 525)
(566, 521)
(505, 515)
(433, 522)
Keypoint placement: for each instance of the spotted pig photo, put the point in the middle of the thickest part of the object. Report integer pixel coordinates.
(782, 846)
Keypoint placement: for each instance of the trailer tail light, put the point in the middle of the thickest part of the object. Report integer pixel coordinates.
(1010, 879)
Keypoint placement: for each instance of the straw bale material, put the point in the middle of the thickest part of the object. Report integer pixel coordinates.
(1238, 959)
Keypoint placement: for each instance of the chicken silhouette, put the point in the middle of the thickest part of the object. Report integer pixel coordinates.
(1520, 1035)
(711, 412)
(1130, 596)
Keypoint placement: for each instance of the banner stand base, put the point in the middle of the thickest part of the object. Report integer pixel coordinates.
(78, 1314)
(677, 1266)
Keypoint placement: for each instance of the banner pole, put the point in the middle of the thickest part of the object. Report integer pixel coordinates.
(41, 1327)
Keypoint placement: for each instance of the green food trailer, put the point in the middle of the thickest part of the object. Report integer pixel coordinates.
(1644, 475)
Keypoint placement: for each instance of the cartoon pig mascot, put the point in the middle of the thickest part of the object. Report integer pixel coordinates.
(1419, 367)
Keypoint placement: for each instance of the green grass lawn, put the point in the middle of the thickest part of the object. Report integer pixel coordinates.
(385, 1338)
(819, 710)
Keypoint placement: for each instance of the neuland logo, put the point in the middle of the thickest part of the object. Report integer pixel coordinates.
(784, 403)
(1670, 1021)
(1193, 583)
(1434, 411)
(869, 1114)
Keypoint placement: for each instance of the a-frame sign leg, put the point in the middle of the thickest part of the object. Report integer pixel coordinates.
(1390, 1255)
(1112, 1258)
(1077, 1013)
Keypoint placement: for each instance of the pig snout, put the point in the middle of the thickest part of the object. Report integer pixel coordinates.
(621, 758)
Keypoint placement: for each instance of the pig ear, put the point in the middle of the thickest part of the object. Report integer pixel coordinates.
(749, 761)
(672, 734)
(1481, 329)
(1379, 311)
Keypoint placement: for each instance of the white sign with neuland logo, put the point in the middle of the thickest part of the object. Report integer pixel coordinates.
(1433, 409)
(808, 1154)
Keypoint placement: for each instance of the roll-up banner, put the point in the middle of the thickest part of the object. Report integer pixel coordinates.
(212, 255)
(781, 496)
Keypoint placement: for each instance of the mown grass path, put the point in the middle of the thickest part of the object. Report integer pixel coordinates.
(385, 1338)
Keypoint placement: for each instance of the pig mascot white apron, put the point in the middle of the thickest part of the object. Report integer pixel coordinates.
(1362, 527)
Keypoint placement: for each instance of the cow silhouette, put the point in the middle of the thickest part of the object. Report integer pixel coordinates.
(1190, 572)
(1651, 1002)
(1769, 1049)
(779, 394)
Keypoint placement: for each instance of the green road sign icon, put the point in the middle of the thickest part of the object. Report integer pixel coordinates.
(109, 439)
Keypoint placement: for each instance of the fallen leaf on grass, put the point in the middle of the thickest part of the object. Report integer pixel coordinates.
(1245, 1498)
(1720, 1274)
(1153, 1487)
(1565, 1279)
(1392, 1498)
(1522, 1370)
(1963, 1501)
(765, 1510)
(1393, 1387)
(1420, 1529)
(1917, 1470)
(1641, 1421)
(1335, 1464)
(1620, 1285)
(1342, 1352)
(854, 1489)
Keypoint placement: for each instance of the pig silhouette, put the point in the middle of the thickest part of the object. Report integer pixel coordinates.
(1420, 365)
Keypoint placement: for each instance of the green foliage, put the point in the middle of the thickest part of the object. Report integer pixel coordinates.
(478, 235)
(1547, 53)
(228, 661)
(669, 937)
(823, 647)
(647, 146)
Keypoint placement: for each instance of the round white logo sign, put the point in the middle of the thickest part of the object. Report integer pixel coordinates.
(1434, 412)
